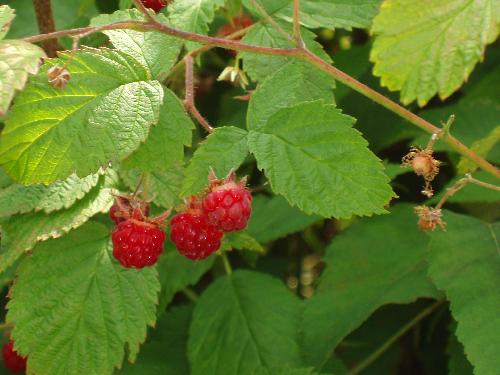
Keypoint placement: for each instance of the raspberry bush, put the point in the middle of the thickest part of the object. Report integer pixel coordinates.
(240, 187)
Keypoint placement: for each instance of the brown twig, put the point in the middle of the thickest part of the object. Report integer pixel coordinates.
(302, 53)
(46, 24)
(189, 99)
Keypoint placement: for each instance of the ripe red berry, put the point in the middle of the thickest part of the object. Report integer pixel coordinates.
(156, 5)
(238, 23)
(228, 205)
(13, 361)
(193, 236)
(137, 244)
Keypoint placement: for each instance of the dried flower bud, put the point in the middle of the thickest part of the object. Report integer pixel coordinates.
(235, 75)
(429, 218)
(423, 164)
(58, 77)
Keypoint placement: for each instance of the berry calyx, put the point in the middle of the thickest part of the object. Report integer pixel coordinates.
(156, 5)
(11, 360)
(192, 235)
(137, 244)
(124, 208)
(228, 204)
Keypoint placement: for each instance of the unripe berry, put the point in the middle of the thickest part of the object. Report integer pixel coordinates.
(423, 165)
(228, 204)
(137, 244)
(193, 236)
(11, 360)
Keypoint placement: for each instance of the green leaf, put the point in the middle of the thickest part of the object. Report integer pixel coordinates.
(259, 66)
(242, 322)
(22, 232)
(273, 218)
(318, 162)
(156, 51)
(292, 84)
(284, 370)
(163, 186)
(334, 14)
(374, 262)
(464, 262)
(7, 14)
(20, 199)
(481, 147)
(177, 272)
(103, 114)
(166, 141)
(193, 15)
(79, 322)
(17, 59)
(271, 6)
(240, 241)
(457, 362)
(165, 351)
(225, 149)
(431, 49)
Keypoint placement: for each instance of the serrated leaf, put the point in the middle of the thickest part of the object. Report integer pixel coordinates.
(21, 233)
(103, 114)
(193, 15)
(240, 241)
(374, 262)
(177, 272)
(291, 84)
(20, 199)
(156, 51)
(457, 362)
(464, 262)
(260, 67)
(225, 149)
(18, 59)
(324, 165)
(285, 370)
(163, 186)
(481, 147)
(242, 322)
(7, 14)
(431, 49)
(274, 218)
(166, 141)
(334, 14)
(165, 351)
(271, 6)
(79, 322)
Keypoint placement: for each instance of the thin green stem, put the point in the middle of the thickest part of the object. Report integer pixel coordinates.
(190, 294)
(227, 264)
(391, 340)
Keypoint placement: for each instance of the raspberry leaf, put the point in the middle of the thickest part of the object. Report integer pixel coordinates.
(108, 107)
(223, 150)
(291, 84)
(166, 141)
(255, 325)
(240, 241)
(80, 321)
(457, 361)
(158, 52)
(464, 262)
(285, 370)
(193, 15)
(423, 51)
(260, 67)
(274, 218)
(21, 233)
(385, 263)
(7, 14)
(177, 272)
(164, 353)
(324, 165)
(20, 199)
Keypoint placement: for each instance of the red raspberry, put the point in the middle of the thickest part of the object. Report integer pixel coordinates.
(228, 204)
(193, 236)
(156, 5)
(239, 23)
(137, 244)
(123, 208)
(13, 361)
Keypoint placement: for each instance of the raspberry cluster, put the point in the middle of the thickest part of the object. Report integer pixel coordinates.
(225, 206)
(137, 239)
(11, 360)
